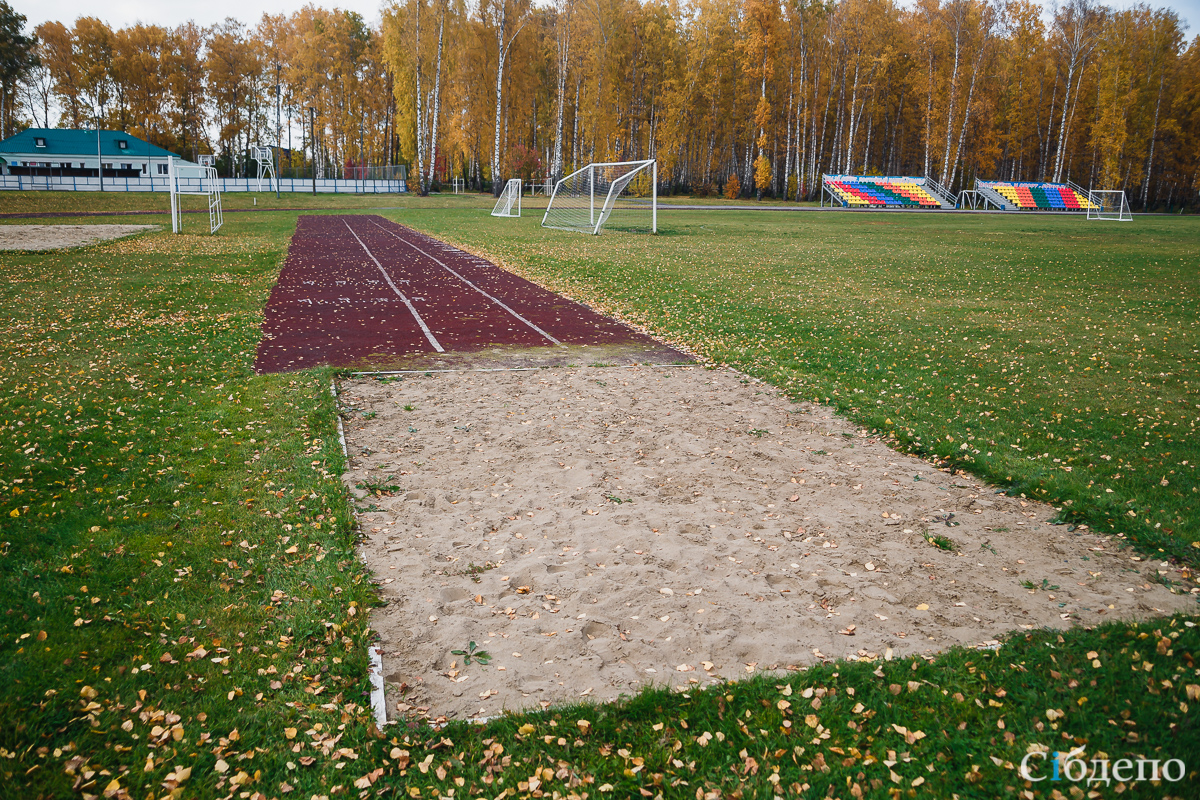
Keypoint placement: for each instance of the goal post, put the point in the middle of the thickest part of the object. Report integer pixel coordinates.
(586, 200)
(509, 204)
(194, 179)
(1108, 204)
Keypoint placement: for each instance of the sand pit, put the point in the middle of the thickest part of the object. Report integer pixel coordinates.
(597, 530)
(56, 237)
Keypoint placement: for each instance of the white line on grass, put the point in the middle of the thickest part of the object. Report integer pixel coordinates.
(495, 300)
(400, 294)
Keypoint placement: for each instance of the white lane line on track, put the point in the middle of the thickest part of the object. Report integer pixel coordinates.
(428, 333)
(495, 300)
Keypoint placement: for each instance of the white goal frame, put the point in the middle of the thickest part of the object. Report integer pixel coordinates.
(508, 198)
(597, 217)
(200, 180)
(1108, 204)
(266, 165)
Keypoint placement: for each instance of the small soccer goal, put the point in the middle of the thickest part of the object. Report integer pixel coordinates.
(619, 195)
(509, 204)
(187, 179)
(1108, 204)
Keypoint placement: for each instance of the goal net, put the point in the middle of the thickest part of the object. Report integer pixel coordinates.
(621, 195)
(188, 179)
(1108, 204)
(509, 204)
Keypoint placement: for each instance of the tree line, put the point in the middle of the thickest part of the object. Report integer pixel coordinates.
(753, 96)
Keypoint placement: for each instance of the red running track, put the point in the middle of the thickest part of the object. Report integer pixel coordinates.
(357, 290)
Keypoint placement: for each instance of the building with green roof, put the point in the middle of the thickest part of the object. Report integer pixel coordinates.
(63, 152)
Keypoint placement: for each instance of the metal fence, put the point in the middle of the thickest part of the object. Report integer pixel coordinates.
(55, 183)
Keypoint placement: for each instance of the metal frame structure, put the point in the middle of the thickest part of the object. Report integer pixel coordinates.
(208, 187)
(597, 219)
(975, 200)
(266, 166)
(1094, 203)
(511, 193)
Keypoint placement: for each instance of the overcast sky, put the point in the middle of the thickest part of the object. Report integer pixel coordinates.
(119, 13)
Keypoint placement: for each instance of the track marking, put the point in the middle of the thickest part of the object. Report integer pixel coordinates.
(412, 309)
(495, 300)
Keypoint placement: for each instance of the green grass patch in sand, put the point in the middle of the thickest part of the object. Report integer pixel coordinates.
(182, 612)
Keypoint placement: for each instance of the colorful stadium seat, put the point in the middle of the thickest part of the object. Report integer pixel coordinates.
(878, 192)
(1037, 196)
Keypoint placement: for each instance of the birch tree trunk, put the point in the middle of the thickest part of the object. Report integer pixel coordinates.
(951, 92)
(986, 26)
(1153, 135)
(929, 109)
(502, 49)
(437, 103)
(421, 188)
(566, 10)
(1075, 24)
(850, 124)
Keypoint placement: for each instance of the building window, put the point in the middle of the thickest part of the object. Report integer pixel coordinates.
(127, 166)
(162, 169)
(39, 141)
(122, 144)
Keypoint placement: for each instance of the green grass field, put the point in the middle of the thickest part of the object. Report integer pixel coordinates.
(182, 609)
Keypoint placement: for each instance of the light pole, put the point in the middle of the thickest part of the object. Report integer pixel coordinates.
(278, 131)
(99, 155)
(312, 117)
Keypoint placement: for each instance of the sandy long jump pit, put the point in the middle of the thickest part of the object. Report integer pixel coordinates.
(56, 237)
(597, 530)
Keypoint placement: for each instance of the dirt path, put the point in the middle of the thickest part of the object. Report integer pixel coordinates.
(596, 530)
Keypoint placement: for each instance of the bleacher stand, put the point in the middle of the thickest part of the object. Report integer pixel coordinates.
(870, 191)
(1017, 195)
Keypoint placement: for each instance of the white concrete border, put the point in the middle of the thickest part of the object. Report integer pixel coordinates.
(378, 700)
(375, 671)
(521, 369)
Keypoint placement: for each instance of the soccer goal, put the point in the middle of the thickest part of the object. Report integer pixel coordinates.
(266, 165)
(194, 179)
(1108, 204)
(509, 204)
(617, 194)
